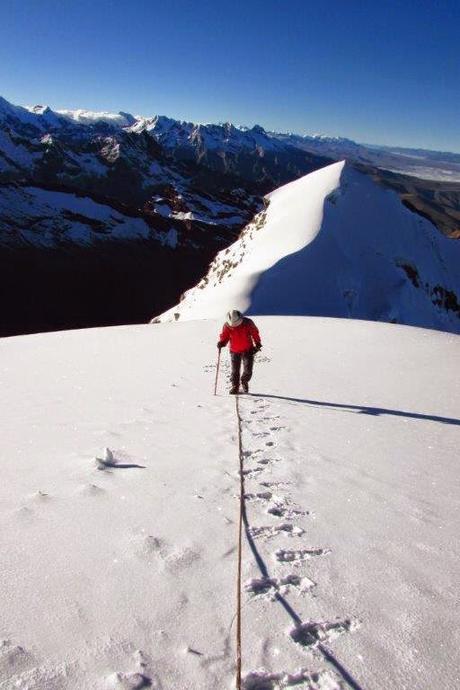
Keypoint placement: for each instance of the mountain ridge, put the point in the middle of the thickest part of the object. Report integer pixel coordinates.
(334, 243)
(138, 122)
(128, 119)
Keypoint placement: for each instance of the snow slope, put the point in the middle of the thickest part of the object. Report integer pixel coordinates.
(334, 243)
(40, 217)
(120, 572)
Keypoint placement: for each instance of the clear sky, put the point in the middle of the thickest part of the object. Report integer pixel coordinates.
(377, 71)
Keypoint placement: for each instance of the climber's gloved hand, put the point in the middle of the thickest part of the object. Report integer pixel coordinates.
(221, 345)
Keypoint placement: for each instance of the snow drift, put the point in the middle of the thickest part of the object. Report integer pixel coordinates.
(334, 243)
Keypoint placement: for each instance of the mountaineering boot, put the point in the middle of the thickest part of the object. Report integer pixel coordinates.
(245, 386)
(234, 390)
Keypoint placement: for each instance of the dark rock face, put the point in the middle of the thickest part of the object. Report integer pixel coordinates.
(118, 282)
(104, 224)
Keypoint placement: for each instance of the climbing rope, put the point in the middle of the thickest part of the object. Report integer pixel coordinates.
(240, 549)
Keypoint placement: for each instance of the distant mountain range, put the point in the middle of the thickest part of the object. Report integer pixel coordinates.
(106, 218)
(189, 139)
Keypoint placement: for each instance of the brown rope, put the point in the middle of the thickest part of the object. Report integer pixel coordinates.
(240, 549)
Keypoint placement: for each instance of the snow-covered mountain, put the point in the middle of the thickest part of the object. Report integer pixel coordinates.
(198, 139)
(118, 566)
(93, 155)
(91, 140)
(138, 167)
(334, 243)
(107, 218)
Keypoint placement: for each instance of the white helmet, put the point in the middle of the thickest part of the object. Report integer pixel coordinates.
(234, 318)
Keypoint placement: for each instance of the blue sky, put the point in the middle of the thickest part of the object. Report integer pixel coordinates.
(385, 72)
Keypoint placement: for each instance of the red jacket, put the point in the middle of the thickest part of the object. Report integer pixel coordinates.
(242, 338)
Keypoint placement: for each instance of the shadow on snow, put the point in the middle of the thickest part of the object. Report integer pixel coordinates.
(360, 409)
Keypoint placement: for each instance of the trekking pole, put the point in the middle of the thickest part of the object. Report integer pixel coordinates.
(217, 373)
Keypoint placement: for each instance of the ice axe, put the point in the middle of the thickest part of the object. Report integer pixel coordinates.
(217, 372)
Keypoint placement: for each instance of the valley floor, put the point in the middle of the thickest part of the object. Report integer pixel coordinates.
(121, 572)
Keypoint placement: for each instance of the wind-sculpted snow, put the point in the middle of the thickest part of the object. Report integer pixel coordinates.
(334, 243)
(119, 509)
(292, 219)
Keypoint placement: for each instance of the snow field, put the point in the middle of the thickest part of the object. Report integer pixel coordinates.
(103, 565)
(118, 566)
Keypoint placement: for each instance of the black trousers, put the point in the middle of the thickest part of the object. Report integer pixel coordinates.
(248, 361)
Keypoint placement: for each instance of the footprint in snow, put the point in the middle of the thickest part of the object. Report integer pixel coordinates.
(149, 548)
(260, 496)
(269, 586)
(155, 550)
(269, 531)
(280, 507)
(14, 659)
(252, 472)
(298, 556)
(311, 633)
(129, 681)
(134, 680)
(262, 434)
(250, 453)
(313, 680)
(266, 461)
(181, 559)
